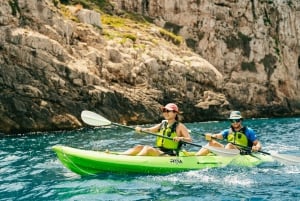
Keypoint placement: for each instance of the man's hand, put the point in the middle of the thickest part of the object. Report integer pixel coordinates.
(255, 148)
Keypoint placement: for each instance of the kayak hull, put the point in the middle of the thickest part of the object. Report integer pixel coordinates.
(87, 162)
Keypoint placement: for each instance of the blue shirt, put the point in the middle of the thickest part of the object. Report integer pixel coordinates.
(250, 134)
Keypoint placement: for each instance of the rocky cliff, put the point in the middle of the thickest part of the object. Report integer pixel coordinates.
(255, 45)
(57, 60)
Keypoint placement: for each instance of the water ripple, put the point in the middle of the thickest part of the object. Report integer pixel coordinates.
(29, 169)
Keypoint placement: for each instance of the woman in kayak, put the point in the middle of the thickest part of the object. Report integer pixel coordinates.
(236, 135)
(170, 127)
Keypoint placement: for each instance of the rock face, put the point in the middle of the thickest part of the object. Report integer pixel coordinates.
(254, 44)
(58, 60)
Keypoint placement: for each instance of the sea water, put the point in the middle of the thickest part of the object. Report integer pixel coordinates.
(30, 170)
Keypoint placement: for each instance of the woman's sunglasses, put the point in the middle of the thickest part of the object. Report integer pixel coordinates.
(235, 120)
(166, 111)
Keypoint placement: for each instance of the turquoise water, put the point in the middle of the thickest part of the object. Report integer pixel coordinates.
(29, 170)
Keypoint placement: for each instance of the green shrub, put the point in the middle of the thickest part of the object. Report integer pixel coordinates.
(242, 42)
(177, 40)
(14, 4)
(249, 66)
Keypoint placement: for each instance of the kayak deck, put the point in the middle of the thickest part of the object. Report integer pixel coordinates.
(87, 162)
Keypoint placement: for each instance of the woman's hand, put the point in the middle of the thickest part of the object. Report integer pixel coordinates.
(138, 129)
(177, 139)
(208, 136)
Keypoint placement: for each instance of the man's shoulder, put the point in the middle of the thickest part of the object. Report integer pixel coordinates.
(248, 129)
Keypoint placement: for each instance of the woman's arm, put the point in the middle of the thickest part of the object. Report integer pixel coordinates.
(182, 133)
(150, 129)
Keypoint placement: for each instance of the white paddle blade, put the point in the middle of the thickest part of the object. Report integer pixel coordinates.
(93, 119)
(286, 159)
(223, 152)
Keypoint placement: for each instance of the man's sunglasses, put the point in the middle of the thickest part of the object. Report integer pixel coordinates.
(167, 111)
(235, 120)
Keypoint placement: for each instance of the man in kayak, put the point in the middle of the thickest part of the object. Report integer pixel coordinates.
(236, 135)
(170, 127)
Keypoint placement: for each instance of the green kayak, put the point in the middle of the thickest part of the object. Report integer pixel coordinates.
(87, 162)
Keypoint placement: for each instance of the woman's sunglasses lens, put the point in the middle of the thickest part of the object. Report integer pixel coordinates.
(165, 110)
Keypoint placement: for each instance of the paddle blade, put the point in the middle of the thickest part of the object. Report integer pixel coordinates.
(93, 119)
(223, 152)
(286, 159)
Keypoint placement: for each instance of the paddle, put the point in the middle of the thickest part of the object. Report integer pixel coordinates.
(282, 158)
(94, 119)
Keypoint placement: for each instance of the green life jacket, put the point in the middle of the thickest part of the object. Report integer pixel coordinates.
(238, 137)
(170, 132)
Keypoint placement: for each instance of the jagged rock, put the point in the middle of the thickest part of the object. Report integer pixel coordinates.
(254, 45)
(53, 67)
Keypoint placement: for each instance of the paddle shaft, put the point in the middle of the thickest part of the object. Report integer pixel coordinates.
(93, 119)
(158, 135)
(245, 147)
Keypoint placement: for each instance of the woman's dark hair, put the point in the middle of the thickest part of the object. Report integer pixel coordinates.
(179, 117)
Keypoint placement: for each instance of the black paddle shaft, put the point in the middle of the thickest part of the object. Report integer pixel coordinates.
(166, 137)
